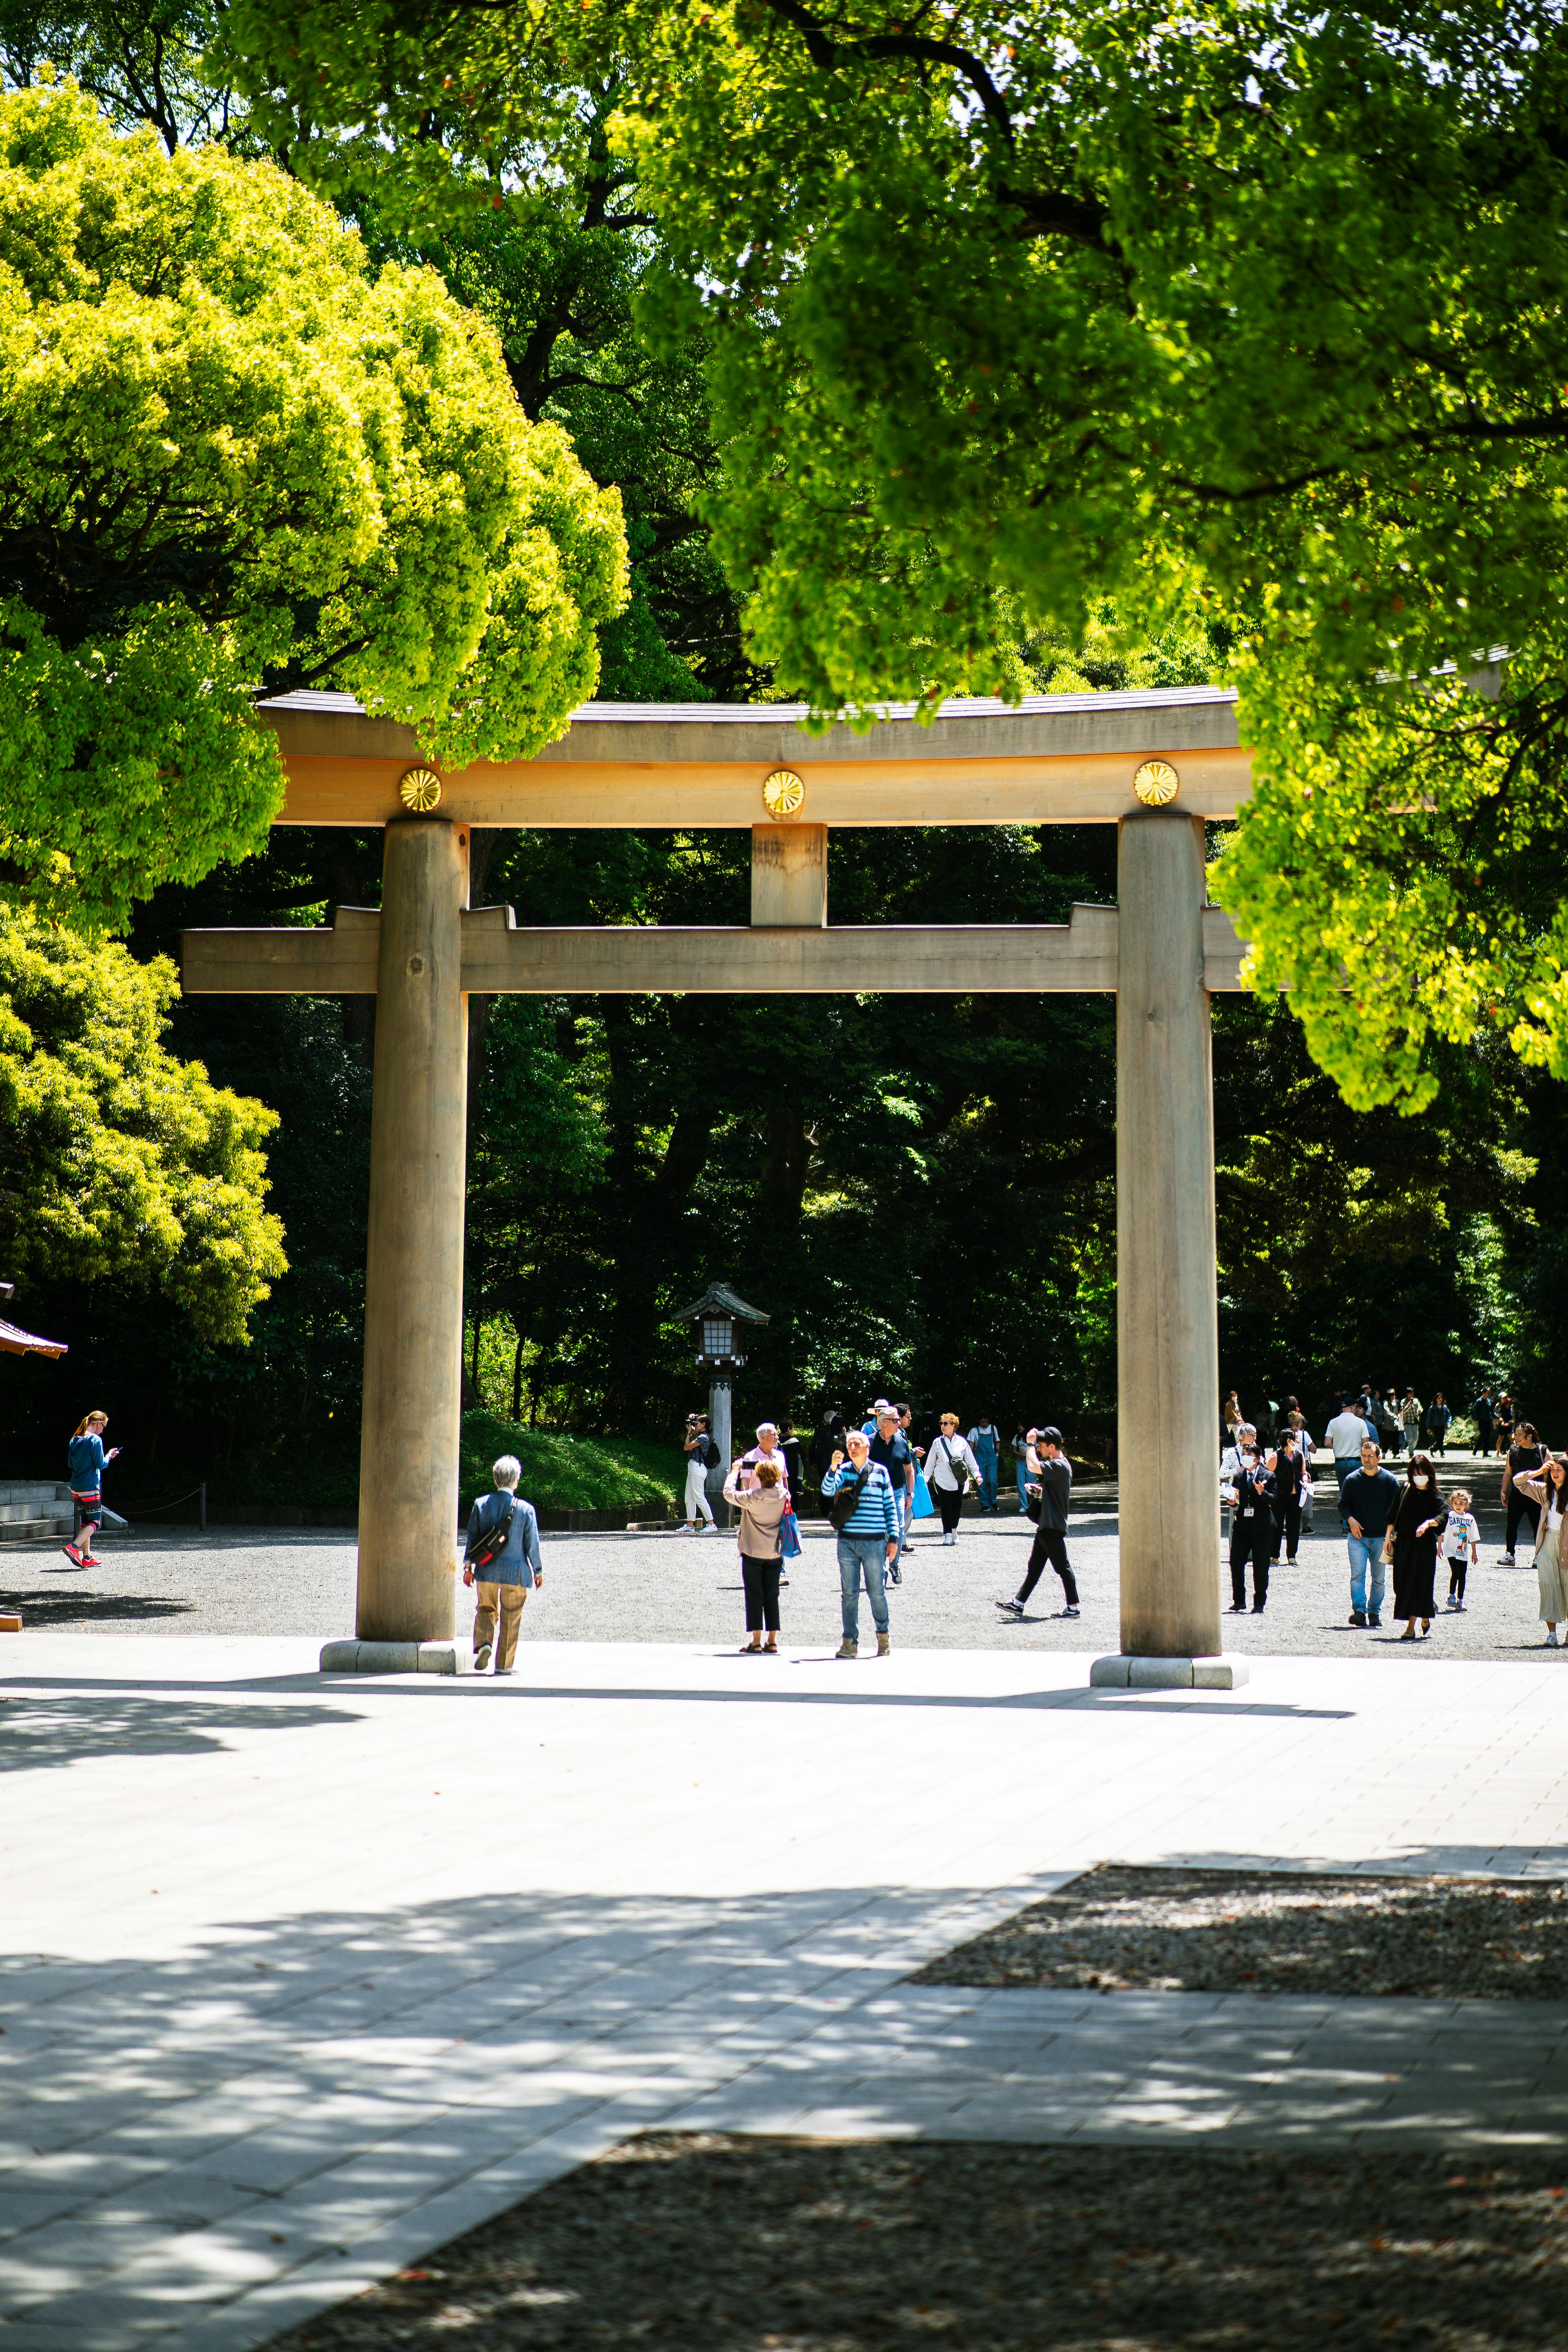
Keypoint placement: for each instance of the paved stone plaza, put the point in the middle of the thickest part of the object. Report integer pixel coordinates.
(304, 1976)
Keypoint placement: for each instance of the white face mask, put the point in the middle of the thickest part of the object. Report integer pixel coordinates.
(1249, 1453)
(1421, 1482)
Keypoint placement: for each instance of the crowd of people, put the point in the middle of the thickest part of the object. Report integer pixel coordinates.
(1408, 1526)
(874, 1480)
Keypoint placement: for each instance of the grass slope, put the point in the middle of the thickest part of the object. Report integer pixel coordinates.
(562, 1473)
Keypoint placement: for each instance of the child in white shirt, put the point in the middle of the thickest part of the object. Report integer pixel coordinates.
(1461, 1540)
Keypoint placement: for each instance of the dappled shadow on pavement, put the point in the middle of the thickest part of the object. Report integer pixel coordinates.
(47, 1610)
(39, 1729)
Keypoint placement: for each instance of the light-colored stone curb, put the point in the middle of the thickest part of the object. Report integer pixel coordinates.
(447, 1657)
(1168, 1673)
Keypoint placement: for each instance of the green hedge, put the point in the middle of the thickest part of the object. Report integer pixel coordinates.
(562, 1473)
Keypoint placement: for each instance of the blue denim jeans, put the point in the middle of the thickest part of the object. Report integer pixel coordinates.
(863, 1556)
(986, 1461)
(1021, 1479)
(1366, 1558)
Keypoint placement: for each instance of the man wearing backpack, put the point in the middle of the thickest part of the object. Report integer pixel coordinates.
(701, 1455)
(501, 1559)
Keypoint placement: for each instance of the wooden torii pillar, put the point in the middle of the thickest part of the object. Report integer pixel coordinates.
(1154, 764)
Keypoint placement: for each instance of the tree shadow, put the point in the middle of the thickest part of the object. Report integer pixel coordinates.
(39, 1728)
(49, 1610)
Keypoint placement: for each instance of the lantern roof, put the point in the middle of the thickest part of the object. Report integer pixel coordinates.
(719, 1298)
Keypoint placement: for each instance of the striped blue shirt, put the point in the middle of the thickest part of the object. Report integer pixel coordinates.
(876, 1512)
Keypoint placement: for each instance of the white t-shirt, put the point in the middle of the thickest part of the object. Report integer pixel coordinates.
(1347, 1434)
(1460, 1534)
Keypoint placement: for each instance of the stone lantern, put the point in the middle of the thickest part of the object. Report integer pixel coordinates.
(715, 1315)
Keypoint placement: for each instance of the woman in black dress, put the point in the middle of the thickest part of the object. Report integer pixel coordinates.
(1412, 1537)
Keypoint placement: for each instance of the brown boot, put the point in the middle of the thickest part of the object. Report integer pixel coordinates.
(884, 1645)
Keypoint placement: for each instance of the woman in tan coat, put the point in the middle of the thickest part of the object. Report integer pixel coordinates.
(1550, 1491)
(762, 1509)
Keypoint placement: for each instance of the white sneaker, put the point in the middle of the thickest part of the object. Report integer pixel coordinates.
(708, 1528)
(948, 1539)
(1552, 1637)
(686, 1529)
(1507, 1560)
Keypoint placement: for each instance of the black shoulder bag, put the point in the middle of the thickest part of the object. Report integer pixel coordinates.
(843, 1503)
(490, 1542)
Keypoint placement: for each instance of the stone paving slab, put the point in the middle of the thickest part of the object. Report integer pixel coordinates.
(370, 1972)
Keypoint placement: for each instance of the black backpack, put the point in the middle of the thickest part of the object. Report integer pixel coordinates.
(707, 1451)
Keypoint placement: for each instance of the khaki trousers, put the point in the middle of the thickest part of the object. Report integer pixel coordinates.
(509, 1600)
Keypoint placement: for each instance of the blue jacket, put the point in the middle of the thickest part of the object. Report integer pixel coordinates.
(86, 1463)
(876, 1512)
(520, 1563)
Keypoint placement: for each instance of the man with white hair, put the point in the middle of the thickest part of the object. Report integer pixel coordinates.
(766, 1449)
(501, 1560)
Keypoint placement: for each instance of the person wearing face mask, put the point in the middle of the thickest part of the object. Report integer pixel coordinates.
(1412, 1540)
(1251, 1526)
(1289, 1475)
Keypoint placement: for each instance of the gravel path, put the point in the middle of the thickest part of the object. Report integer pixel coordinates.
(665, 1587)
(715, 2244)
(1274, 1931)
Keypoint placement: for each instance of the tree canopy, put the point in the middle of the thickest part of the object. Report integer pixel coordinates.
(1261, 306)
(124, 1166)
(232, 459)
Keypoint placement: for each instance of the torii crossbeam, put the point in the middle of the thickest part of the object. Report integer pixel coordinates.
(1155, 764)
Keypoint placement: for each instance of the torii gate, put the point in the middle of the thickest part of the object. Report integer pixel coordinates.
(1154, 764)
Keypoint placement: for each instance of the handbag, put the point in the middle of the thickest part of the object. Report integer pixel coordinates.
(789, 1536)
(959, 1469)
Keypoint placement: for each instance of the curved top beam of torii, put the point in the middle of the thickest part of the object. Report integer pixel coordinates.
(1053, 759)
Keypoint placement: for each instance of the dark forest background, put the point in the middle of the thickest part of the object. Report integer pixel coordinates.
(920, 1192)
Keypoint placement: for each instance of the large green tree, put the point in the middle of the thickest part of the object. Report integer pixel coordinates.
(123, 1164)
(1263, 304)
(232, 458)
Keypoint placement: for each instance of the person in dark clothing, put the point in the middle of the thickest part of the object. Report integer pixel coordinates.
(1290, 1476)
(1251, 1528)
(790, 1447)
(1053, 1472)
(1412, 1539)
(1526, 1459)
(1483, 1412)
(1502, 1430)
(892, 1449)
(827, 1442)
(1368, 1502)
(1437, 1419)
